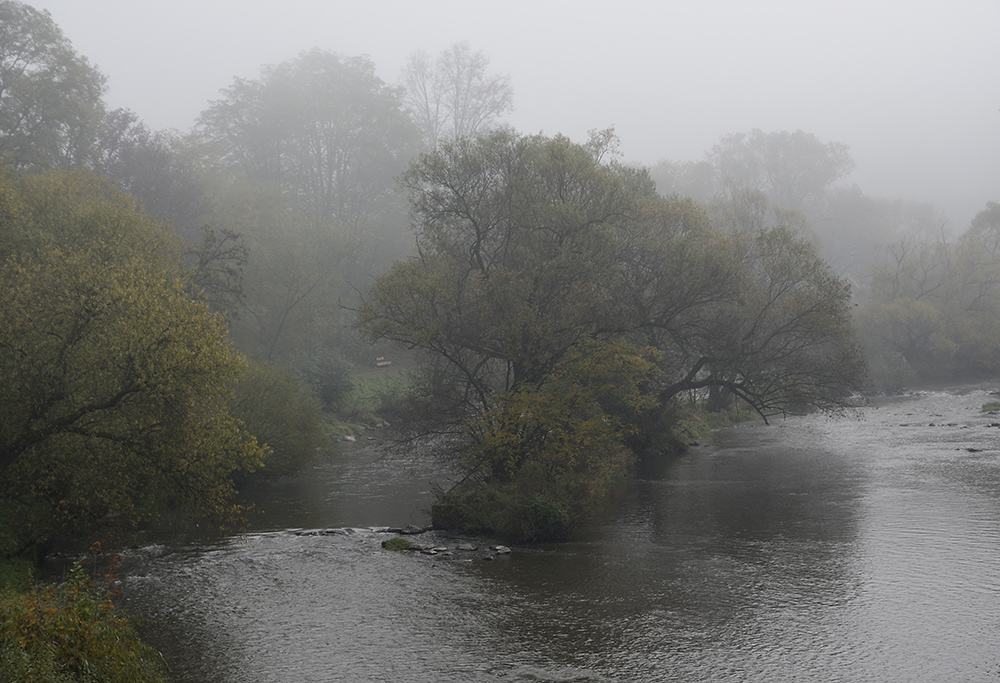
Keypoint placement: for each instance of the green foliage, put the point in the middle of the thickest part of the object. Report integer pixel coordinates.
(791, 168)
(277, 408)
(71, 631)
(396, 543)
(115, 400)
(784, 336)
(324, 130)
(530, 510)
(51, 105)
(330, 378)
(379, 391)
(574, 422)
(991, 406)
(543, 458)
(16, 574)
(565, 307)
(292, 284)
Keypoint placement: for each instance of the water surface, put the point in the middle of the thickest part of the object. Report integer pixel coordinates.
(814, 549)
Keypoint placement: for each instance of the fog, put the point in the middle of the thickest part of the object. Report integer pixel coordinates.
(911, 87)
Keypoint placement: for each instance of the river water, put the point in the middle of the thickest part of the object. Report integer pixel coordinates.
(860, 548)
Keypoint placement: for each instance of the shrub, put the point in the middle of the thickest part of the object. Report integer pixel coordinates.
(280, 411)
(329, 377)
(528, 510)
(70, 632)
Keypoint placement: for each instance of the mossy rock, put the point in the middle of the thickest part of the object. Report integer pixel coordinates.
(396, 543)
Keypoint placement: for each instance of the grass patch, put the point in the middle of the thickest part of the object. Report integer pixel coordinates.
(375, 390)
(991, 406)
(396, 543)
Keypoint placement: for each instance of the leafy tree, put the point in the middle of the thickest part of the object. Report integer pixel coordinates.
(783, 338)
(932, 306)
(548, 454)
(152, 167)
(853, 227)
(291, 279)
(792, 169)
(528, 245)
(515, 233)
(454, 96)
(762, 180)
(115, 400)
(324, 130)
(51, 103)
(533, 254)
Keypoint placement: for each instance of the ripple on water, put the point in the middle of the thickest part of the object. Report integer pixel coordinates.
(812, 550)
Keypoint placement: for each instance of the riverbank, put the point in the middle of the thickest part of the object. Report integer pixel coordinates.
(70, 630)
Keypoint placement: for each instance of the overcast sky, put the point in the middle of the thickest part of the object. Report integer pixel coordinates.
(913, 86)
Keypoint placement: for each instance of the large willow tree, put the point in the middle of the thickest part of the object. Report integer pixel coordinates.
(566, 306)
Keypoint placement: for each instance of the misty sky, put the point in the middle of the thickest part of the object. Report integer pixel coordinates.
(912, 86)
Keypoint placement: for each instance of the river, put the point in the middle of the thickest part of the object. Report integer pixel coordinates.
(858, 548)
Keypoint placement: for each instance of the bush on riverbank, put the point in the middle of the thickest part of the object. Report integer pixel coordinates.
(71, 632)
(507, 512)
(280, 411)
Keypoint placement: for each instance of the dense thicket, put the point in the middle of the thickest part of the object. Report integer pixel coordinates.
(931, 308)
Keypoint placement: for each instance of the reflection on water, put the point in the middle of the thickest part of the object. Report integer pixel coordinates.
(813, 549)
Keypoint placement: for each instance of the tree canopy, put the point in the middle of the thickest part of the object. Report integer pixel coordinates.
(322, 128)
(533, 254)
(454, 96)
(931, 307)
(51, 103)
(116, 381)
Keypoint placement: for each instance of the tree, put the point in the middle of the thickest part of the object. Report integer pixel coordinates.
(783, 339)
(932, 307)
(528, 245)
(325, 131)
(454, 96)
(152, 168)
(792, 169)
(695, 179)
(514, 235)
(281, 411)
(116, 381)
(535, 258)
(751, 181)
(50, 97)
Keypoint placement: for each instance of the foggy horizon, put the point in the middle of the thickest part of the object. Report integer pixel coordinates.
(906, 87)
